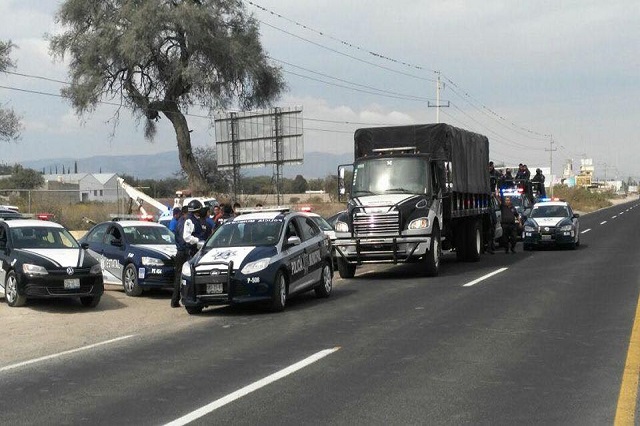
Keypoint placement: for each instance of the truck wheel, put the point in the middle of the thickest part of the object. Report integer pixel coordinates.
(130, 281)
(432, 257)
(194, 310)
(474, 241)
(346, 269)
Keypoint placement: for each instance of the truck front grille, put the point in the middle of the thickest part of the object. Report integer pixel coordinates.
(376, 224)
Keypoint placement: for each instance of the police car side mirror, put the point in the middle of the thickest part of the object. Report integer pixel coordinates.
(576, 215)
(84, 245)
(293, 241)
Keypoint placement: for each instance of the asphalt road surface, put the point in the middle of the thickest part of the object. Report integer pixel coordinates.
(544, 341)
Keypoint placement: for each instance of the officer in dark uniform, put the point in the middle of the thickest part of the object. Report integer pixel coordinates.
(189, 237)
(509, 225)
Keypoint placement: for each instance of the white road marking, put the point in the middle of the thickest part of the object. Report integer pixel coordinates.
(45, 358)
(614, 216)
(621, 213)
(603, 222)
(203, 411)
(484, 277)
(585, 231)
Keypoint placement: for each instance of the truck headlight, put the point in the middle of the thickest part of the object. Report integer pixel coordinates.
(529, 228)
(30, 269)
(151, 261)
(253, 267)
(95, 269)
(420, 223)
(566, 227)
(186, 269)
(342, 227)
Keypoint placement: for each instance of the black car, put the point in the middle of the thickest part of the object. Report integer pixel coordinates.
(135, 254)
(41, 259)
(8, 214)
(266, 256)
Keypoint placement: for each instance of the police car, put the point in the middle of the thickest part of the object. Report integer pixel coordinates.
(135, 254)
(551, 222)
(263, 256)
(41, 259)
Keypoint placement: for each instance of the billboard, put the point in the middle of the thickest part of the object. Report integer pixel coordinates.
(259, 138)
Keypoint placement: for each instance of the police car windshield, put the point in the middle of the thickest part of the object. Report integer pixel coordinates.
(148, 235)
(41, 237)
(549, 211)
(251, 232)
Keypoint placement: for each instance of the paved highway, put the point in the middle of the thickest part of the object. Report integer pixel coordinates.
(543, 338)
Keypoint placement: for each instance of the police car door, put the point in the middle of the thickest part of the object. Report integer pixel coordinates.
(113, 255)
(294, 256)
(312, 245)
(4, 261)
(95, 239)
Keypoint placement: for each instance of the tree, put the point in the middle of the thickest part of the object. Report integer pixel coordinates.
(10, 125)
(299, 185)
(206, 158)
(22, 178)
(161, 57)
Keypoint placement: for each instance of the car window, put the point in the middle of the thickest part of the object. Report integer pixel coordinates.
(148, 235)
(308, 228)
(322, 223)
(40, 237)
(97, 234)
(292, 231)
(112, 234)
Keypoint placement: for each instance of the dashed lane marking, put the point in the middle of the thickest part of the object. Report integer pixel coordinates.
(585, 231)
(484, 277)
(48, 357)
(603, 222)
(614, 216)
(194, 415)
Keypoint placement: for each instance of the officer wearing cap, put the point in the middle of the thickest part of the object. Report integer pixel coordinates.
(177, 212)
(189, 238)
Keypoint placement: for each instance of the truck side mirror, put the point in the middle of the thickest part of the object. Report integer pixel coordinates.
(342, 187)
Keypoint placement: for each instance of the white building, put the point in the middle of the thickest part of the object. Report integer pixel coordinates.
(90, 187)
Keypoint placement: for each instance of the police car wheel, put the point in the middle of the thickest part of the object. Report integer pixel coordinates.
(90, 301)
(130, 281)
(11, 291)
(279, 296)
(194, 310)
(324, 287)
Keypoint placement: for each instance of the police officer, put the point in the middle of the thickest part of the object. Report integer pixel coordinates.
(177, 213)
(539, 178)
(509, 225)
(494, 176)
(189, 236)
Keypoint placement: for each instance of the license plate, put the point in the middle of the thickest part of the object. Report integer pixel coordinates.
(214, 288)
(546, 237)
(72, 283)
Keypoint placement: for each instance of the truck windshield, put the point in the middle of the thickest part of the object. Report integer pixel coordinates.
(389, 176)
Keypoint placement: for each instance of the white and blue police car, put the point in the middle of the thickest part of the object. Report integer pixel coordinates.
(551, 222)
(135, 254)
(41, 260)
(264, 255)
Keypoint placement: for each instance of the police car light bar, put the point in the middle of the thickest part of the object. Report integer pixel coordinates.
(281, 209)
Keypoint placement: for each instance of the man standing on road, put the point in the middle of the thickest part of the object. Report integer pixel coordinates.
(189, 237)
(509, 226)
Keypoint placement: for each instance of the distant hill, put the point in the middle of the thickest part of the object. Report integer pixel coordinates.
(165, 164)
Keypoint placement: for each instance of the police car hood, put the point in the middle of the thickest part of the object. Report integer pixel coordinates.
(238, 255)
(549, 221)
(56, 258)
(163, 250)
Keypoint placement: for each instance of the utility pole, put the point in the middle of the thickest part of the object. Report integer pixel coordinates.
(550, 150)
(437, 105)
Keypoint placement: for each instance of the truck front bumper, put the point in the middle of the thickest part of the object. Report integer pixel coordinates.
(381, 250)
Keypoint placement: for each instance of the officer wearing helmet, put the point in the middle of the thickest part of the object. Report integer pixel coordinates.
(539, 179)
(189, 238)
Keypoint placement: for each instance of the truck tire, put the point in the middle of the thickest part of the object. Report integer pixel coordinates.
(432, 257)
(474, 241)
(346, 269)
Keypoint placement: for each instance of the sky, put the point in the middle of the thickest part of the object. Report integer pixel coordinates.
(530, 75)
